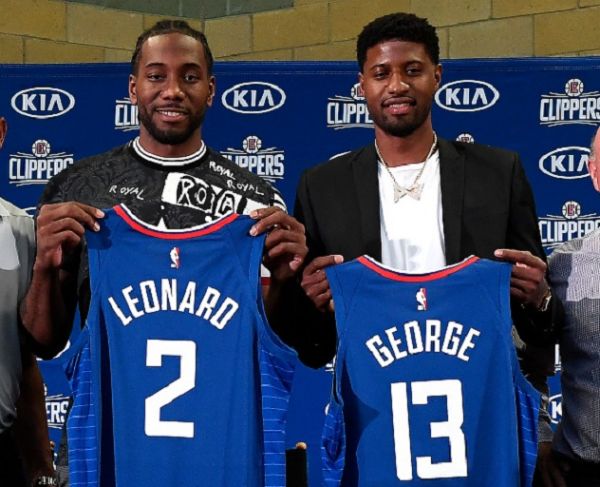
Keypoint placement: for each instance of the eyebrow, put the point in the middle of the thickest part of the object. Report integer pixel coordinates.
(159, 64)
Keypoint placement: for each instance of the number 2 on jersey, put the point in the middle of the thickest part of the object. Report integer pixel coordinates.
(421, 391)
(186, 351)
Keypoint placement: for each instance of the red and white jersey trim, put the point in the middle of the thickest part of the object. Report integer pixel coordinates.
(170, 234)
(396, 275)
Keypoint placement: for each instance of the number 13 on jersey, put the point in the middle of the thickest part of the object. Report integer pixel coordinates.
(420, 392)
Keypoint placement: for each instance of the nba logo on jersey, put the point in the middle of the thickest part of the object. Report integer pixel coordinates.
(421, 299)
(174, 258)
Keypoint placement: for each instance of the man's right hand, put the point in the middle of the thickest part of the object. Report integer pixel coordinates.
(315, 283)
(60, 228)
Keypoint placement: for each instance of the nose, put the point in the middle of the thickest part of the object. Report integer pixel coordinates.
(172, 88)
(397, 83)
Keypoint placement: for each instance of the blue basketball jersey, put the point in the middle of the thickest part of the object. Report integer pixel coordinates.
(427, 387)
(180, 380)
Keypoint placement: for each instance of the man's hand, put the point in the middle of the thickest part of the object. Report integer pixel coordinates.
(315, 283)
(550, 469)
(60, 228)
(527, 280)
(285, 245)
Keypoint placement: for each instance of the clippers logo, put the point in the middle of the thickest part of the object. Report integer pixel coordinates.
(467, 95)
(574, 87)
(555, 408)
(566, 163)
(465, 137)
(344, 112)
(268, 163)
(42, 102)
(574, 106)
(126, 115)
(39, 166)
(174, 254)
(253, 97)
(556, 229)
(56, 410)
(421, 297)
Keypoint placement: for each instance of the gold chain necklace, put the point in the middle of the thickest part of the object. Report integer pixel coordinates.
(416, 188)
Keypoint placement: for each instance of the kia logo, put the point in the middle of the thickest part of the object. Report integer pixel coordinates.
(566, 163)
(42, 102)
(467, 95)
(253, 97)
(555, 408)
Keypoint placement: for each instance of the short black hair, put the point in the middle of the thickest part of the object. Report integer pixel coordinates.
(169, 27)
(398, 26)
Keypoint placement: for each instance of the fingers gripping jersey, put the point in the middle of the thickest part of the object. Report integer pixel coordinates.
(427, 388)
(189, 386)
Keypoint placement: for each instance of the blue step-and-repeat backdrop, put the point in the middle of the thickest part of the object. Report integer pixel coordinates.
(277, 119)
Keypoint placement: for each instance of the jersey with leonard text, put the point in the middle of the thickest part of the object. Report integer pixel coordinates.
(427, 387)
(182, 381)
(170, 193)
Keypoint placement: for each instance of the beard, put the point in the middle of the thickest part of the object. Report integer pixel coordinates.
(400, 126)
(170, 136)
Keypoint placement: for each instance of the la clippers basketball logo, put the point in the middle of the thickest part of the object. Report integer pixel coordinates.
(556, 229)
(39, 166)
(573, 106)
(126, 115)
(267, 163)
(465, 137)
(175, 261)
(56, 410)
(344, 112)
(421, 299)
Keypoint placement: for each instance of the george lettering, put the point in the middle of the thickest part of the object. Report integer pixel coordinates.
(414, 337)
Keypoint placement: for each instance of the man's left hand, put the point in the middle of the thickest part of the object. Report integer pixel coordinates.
(285, 245)
(528, 277)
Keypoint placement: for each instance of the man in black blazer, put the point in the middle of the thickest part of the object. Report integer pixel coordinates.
(486, 205)
(471, 199)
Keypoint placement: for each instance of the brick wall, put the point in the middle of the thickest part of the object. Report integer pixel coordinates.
(34, 31)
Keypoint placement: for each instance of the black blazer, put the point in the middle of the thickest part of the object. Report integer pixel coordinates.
(486, 200)
(487, 204)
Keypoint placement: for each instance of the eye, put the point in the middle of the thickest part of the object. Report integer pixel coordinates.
(414, 70)
(154, 76)
(191, 77)
(379, 74)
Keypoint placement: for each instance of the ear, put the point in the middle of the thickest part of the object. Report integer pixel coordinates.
(438, 76)
(212, 90)
(133, 89)
(594, 173)
(3, 129)
(361, 80)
